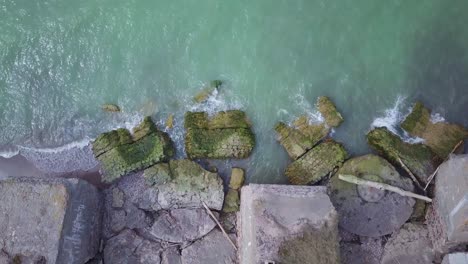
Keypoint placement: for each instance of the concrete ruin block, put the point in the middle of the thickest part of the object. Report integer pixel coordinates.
(448, 217)
(49, 220)
(456, 258)
(287, 224)
(410, 245)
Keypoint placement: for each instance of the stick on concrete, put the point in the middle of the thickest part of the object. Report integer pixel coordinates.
(220, 226)
(435, 172)
(382, 186)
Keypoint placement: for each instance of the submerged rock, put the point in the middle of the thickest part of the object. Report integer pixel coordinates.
(367, 211)
(119, 153)
(316, 163)
(419, 158)
(186, 186)
(170, 121)
(301, 138)
(182, 225)
(207, 91)
(328, 110)
(110, 108)
(225, 135)
(49, 220)
(441, 137)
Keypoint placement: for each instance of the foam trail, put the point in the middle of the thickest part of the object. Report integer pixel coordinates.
(304, 106)
(392, 118)
(437, 118)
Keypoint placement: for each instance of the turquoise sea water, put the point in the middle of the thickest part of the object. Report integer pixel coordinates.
(60, 60)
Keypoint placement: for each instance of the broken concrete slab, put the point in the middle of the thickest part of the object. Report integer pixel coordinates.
(329, 112)
(316, 163)
(367, 211)
(129, 248)
(448, 217)
(287, 224)
(440, 136)
(212, 249)
(225, 135)
(182, 225)
(54, 220)
(419, 158)
(120, 153)
(410, 245)
(456, 258)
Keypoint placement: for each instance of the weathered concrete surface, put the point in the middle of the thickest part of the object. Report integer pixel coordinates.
(120, 153)
(441, 137)
(53, 220)
(225, 135)
(182, 225)
(410, 245)
(448, 217)
(316, 163)
(366, 250)
(287, 224)
(419, 158)
(367, 211)
(129, 248)
(212, 249)
(456, 258)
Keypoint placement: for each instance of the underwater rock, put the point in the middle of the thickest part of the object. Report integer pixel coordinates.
(110, 108)
(316, 163)
(207, 91)
(119, 153)
(287, 224)
(212, 249)
(182, 225)
(225, 135)
(419, 158)
(188, 186)
(367, 211)
(329, 112)
(170, 121)
(49, 220)
(441, 137)
(409, 245)
(301, 138)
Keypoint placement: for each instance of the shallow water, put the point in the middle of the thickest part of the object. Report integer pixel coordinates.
(60, 60)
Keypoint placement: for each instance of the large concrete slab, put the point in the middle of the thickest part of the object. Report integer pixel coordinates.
(448, 218)
(49, 220)
(287, 224)
(456, 258)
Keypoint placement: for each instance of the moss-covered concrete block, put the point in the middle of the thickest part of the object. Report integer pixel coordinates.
(224, 135)
(441, 137)
(231, 201)
(328, 110)
(316, 163)
(302, 137)
(120, 154)
(419, 158)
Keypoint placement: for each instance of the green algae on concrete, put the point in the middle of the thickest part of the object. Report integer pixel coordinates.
(302, 137)
(441, 137)
(231, 201)
(207, 91)
(225, 135)
(316, 163)
(328, 110)
(419, 158)
(120, 154)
